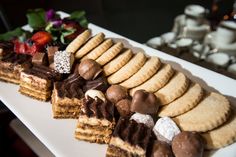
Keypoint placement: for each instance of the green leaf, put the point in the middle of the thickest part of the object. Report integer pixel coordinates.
(77, 15)
(36, 18)
(80, 17)
(11, 34)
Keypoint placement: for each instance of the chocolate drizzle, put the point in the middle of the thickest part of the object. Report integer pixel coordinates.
(133, 132)
(98, 84)
(43, 72)
(98, 108)
(71, 87)
(17, 58)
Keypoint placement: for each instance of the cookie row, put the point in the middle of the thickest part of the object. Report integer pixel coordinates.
(192, 108)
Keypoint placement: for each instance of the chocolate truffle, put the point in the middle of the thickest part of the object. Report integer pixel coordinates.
(161, 149)
(123, 107)
(187, 144)
(144, 102)
(51, 52)
(89, 69)
(115, 93)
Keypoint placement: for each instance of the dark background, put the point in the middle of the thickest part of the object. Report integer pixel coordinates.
(135, 19)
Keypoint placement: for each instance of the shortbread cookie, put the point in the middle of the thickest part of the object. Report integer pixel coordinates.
(146, 72)
(210, 113)
(78, 41)
(110, 53)
(184, 103)
(223, 135)
(117, 62)
(128, 69)
(99, 50)
(157, 81)
(91, 44)
(173, 89)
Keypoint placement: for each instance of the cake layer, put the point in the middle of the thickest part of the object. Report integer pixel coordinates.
(95, 130)
(58, 114)
(93, 121)
(35, 94)
(93, 138)
(113, 151)
(9, 78)
(68, 108)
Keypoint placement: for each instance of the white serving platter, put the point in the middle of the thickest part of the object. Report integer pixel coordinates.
(58, 134)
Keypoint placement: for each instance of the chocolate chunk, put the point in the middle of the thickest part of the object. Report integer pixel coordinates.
(144, 102)
(51, 51)
(123, 107)
(136, 134)
(70, 87)
(115, 93)
(89, 69)
(98, 84)
(39, 59)
(188, 144)
(161, 149)
(98, 108)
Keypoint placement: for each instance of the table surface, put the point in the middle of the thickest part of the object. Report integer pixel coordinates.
(58, 135)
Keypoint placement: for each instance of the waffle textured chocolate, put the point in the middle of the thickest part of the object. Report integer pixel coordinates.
(129, 139)
(96, 121)
(37, 82)
(67, 97)
(11, 66)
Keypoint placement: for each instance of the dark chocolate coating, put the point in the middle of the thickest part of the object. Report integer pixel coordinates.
(123, 107)
(115, 93)
(136, 134)
(161, 149)
(43, 72)
(98, 108)
(17, 58)
(70, 87)
(89, 69)
(7, 47)
(99, 84)
(188, 144)
(144, 102)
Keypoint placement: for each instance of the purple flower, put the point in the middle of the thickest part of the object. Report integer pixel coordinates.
(50, 15)
(57, 23)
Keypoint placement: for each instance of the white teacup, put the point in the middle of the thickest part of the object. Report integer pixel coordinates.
(155, 42)
(220, 59)
(194, 15)
(226, 33)
(232, 68)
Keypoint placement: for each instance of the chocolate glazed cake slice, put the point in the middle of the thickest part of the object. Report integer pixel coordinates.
(37, 82)
(11, 66)
(5, 48)
(96, 121)
(129, 139)
(67, 97)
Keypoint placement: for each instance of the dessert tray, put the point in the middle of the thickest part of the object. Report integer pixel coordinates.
(58, 135)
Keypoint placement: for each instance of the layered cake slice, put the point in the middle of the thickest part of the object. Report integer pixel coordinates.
(67, 97)
(37, 82)
(11, 66)
(96, 121)
(129, 139)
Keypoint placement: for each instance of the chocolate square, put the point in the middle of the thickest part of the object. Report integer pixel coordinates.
(39, 59)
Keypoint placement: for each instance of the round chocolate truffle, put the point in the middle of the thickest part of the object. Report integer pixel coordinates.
(161, 149)
(89, 69)
(115, 93)
(123, 107)
(188, 144)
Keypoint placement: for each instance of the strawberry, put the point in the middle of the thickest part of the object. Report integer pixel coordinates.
(41, 38)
